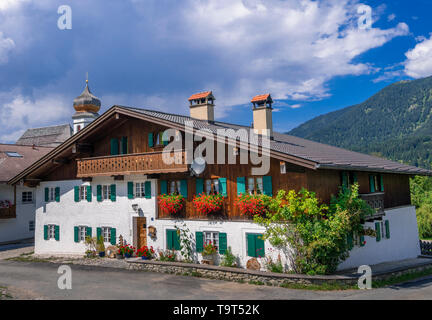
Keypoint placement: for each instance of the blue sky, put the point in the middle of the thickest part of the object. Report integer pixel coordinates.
(310, 55)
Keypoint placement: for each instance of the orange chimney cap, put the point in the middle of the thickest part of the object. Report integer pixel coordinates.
(261, 97)
(200, 95)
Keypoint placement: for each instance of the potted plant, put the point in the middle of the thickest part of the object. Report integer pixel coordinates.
(128, 251)
(171, 203)
(252, 205)
(146, 253)
(90, 244)
(209, 253)
(168, 255)
(208, 204)
(120, 253)
(100, 246)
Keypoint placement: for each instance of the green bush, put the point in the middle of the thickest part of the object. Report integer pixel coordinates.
(228, 259)
(424, 221)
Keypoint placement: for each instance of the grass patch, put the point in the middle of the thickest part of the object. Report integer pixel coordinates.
(400, 279)
(258, 283)
(327, 286)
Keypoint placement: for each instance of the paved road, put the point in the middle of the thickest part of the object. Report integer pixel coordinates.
(30, 280)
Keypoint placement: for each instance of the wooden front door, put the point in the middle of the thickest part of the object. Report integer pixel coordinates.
(141, 225)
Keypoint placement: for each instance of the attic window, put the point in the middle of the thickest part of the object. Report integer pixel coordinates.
(13, 154)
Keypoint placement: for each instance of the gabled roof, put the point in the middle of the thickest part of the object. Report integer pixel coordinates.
(46, 136)
(285, 147)
(261, 97)
(15, 158)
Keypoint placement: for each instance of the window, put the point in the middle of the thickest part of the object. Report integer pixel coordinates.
(255, 185)
(255, 245)
(82, 232)
(31, 225)
(51, 231)
(51, 194)
(27, 197)
(172, 240)
(174, 187)
(211, 237)
(376, 183)
(348, 178)
(106, 192)
(212, 186)
(139, 190)
(83, 192)
(106, 234)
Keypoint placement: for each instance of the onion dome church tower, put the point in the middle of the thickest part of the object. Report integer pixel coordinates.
(86, 107)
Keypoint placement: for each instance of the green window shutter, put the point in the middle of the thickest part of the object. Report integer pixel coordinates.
(362, 241)
(382, 182)
(147, 189)
(88, 231)
(199, 186)
(199, 237)
(169, 235)
(222, 242)
(113, 192)
(114, 147)
(259, 245)
(130, 188)
(378, 231)
(57, 194)
(76, 194)
(98, 233)
(165, 139)
(89, 193)
(99, 193)
(57, 233)
(251, 248)
(124, 145)
(223, 186)
(164, 187)
(350, 242)
(150, 140)
(371, 184)
(176, 239)
(267, 186)
(183, 188)
(45, 232)
(344, 179)
(241, 185)
(387, 229)
(46, 194)
(113, 236)
(76, 234)
(355, 177)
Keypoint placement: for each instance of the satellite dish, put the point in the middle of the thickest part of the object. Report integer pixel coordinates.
(198, 166)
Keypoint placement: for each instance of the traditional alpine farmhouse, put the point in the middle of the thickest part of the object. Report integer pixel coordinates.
(106, 179)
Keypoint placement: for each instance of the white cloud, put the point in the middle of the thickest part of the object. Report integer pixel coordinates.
(6, 45)
(391, 17)
(419, 59)
(22, 112)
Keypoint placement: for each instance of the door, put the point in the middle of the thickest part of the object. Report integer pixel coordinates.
(141, 225)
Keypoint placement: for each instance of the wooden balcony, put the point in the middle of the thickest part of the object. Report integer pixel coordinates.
(138, 163)
(8, 213)
(375, 201)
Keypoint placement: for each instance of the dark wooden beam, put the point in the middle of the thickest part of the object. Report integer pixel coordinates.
(119, 177)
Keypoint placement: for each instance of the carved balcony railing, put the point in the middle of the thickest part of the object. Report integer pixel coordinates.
(8, 213)
(375, 201)
(138, 163)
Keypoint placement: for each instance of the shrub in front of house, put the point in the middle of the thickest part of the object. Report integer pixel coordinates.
(171, 203)
(167, 255)
(208, 204)
(146, 253)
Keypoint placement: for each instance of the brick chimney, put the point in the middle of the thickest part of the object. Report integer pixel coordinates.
(202, 106)
(262, 114)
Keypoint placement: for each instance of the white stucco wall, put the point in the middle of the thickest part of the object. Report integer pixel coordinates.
(67, 213)
(17, 228)
(403, 242)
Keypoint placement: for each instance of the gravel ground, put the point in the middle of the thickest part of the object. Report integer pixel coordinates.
(5, 294)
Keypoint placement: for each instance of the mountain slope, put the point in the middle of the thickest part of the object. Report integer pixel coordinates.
(395, 123)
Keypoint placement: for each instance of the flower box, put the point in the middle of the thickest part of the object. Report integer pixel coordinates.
(251, 205)
(208, 204)
(171, 203)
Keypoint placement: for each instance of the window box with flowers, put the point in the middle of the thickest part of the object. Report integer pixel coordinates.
(171, 203)
(209, 204)
(209, 254)
(146, 253)
(251, 205)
